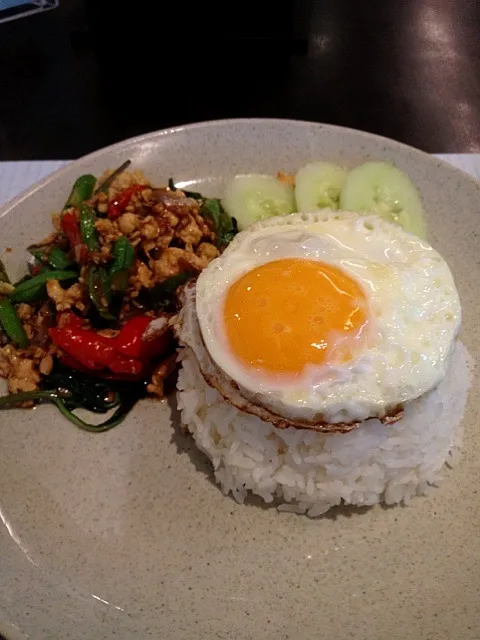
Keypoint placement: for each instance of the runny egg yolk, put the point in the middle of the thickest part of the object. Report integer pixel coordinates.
(293, 312)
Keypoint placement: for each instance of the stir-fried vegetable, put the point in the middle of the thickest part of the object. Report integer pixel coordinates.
(98, 294)
(82, 190)
(163, 296)
(71, 228)
(34, 288)
(52, 256)
(121, 201)
(9, 319)
(128, 354)
(11, 323)
(224, 225)
(82, 389)
(58, 259)
(87, 228)
(70, 391)
(100, 291)
(123, 258)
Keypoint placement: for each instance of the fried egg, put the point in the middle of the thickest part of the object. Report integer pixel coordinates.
(331, 317)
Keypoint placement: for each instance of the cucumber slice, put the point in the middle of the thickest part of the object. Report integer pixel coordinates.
(381, 188)
(255, 196)
(318, 186)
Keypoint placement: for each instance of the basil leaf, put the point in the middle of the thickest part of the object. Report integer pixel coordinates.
(225, 227)
(163, 296)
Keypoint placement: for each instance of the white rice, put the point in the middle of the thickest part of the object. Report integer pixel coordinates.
(308, 472)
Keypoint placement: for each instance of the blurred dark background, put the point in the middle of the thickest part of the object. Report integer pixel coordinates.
(90, 73)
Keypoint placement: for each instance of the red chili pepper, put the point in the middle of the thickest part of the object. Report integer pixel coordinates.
(127, 354)
(71, 228)
(131, 340)
(157, 345)
(92, 350)
(120, 203)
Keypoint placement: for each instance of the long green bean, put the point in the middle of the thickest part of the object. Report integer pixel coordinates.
(82, 190)
(87, 228)
(11, 323)
(34, 288)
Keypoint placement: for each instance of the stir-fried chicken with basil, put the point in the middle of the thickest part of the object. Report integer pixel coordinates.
(88, 326)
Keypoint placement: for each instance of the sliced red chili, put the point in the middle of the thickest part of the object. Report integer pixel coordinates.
(132, 341)
(71, 228)
(92, 350)
(129, 340)
(121, 201)
(127, 354)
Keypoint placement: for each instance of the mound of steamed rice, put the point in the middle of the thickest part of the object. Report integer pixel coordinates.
(309, 472)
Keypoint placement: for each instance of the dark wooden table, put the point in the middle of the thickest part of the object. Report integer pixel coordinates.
(88, 74)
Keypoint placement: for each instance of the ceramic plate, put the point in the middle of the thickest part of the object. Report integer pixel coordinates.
(124, 534)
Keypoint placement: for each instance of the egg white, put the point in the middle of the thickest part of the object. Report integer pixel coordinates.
(415, 314)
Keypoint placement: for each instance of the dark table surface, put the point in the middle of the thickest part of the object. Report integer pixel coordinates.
(88, 74)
